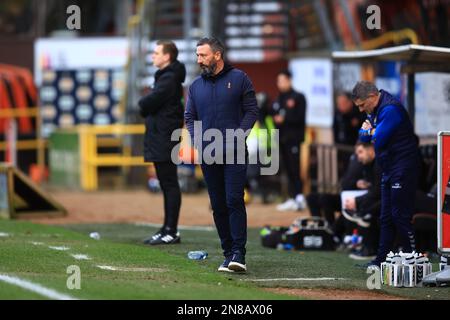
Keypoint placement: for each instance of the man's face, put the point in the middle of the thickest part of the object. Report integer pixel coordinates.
(284, 84)
(344, 104)
(365, 155)
(367, 105)
(207, 59)
(160, 60)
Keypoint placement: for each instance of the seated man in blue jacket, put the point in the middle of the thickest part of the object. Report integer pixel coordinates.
(220, 100)
(389, 128)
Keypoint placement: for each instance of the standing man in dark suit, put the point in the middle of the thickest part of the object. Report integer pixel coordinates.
(347, 120)
(223, 98)
(289, 117)
(163, 112)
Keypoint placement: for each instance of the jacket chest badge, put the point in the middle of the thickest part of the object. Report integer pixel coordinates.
(290, 103)
(229, 85)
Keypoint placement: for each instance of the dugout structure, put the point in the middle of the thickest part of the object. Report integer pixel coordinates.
(416, 58)
(21, 197)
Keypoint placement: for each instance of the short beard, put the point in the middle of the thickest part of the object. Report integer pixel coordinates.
(208, 71)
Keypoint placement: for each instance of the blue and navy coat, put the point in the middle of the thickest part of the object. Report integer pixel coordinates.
(396, 145)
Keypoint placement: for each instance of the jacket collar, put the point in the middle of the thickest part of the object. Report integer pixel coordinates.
(177, 68)
(227, 67)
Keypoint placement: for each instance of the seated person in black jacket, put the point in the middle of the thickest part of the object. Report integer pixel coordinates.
(364, 210)
(361, 209)
(357, 176)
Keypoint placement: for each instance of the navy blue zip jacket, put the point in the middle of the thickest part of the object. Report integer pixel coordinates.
(396, 145)
(224, 101)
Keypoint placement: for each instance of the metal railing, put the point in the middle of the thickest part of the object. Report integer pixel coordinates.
(327, 164)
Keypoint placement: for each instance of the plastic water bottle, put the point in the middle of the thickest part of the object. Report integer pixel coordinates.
(197, 255)
(95, 235)
(443, 263)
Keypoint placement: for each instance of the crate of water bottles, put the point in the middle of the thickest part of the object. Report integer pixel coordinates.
(405, 269)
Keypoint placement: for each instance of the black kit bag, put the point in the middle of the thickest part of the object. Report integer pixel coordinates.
(272, 236)
(310, 233)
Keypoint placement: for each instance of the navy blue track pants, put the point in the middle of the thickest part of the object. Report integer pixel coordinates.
(397, 208)
(226, 184)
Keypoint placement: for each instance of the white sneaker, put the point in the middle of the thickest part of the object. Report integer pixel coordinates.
(301, 202)
(289, 205)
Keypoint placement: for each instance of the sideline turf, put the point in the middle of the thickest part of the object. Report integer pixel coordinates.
(265, 263)
(173, 276)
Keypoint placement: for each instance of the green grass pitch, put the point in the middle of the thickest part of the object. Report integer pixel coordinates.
(165, 272)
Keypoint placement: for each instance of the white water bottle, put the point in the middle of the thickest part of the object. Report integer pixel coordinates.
(197, 255)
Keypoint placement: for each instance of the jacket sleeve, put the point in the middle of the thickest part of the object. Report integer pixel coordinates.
(161, 93)
(371, 201)
(365, 135)
(335, 127)
(352, 174)
(388, 121)
(190, 115)
(249, 105)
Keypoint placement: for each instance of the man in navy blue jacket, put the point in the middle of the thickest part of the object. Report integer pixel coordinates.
(388, 126)
(223, 98)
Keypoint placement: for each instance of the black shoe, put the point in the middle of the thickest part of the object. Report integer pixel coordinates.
(363, 254)
(237, 263)
(155, 237)
(166, 239)
(224, 266)
(361, 219)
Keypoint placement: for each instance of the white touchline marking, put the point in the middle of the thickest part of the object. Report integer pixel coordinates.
(34, 287)
(295, 279)
(4, 235)
(80, 256)
(107, 268)
(191, 228)
(111, 268)
(59, 248)
(34, 243)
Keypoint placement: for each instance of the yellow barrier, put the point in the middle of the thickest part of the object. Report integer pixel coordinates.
(37, 144)
(91, 160)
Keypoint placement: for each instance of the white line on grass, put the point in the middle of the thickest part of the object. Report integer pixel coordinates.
(34, 287)
(59, 248)
(80, 256)
(296, 279)
(4, 235)
(35, 243)
(111, 268)
(191, 228)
